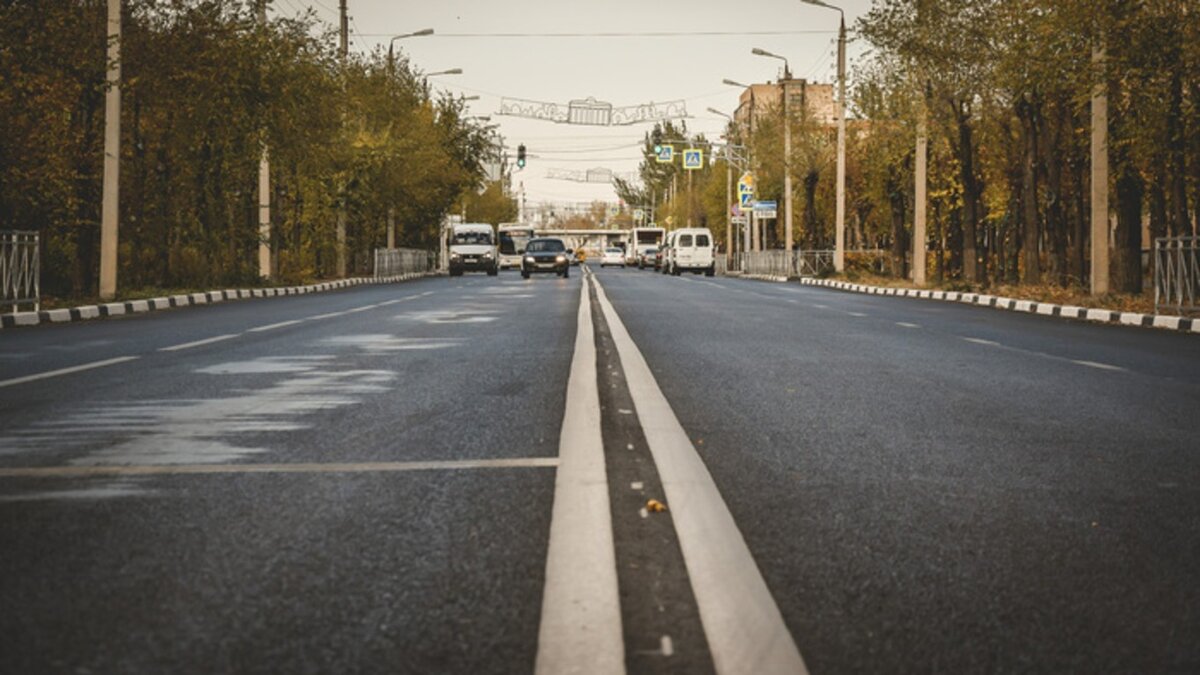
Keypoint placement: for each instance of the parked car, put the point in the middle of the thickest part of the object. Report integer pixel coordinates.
(545, 254)
(646, 257)
(612, 256)
(692, 251)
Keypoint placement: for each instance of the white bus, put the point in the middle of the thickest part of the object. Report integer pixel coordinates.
(513, 237)
(641, 238)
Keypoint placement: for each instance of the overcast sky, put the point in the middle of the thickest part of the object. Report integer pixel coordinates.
(624, 70)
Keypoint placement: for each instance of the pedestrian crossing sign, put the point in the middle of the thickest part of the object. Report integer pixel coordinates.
(693, 159)
(666, 154)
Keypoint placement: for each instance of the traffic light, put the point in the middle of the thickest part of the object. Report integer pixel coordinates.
(656, 136)
(521, 156)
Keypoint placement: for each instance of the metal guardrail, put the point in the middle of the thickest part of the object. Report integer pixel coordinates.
(782, 263)
(20, 271)
(1176, 274)
(391, 262)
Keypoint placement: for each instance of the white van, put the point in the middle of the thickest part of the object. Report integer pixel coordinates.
(691, 250)
(473, 249)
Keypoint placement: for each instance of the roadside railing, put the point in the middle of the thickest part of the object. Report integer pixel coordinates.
(19, 270)
(392, 262)
(1176, 274)
(783, 263)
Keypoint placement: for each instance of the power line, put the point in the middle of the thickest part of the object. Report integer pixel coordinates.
(623, 34)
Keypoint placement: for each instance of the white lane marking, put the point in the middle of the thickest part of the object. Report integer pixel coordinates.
(66, 371)
(199, 343)
(636, 485)
(906, 324)
(273, 326)
(1093, 364)
(325, 316)
(980, 341)
(668, 647)
(361, 309)
(304, 467)
(580, 629)
(821, 306)
(859, 314)
(745, 631)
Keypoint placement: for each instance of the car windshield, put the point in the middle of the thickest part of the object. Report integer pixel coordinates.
(545, 246)
(482, 238)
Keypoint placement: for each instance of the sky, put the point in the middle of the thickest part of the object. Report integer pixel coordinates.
(673, 64)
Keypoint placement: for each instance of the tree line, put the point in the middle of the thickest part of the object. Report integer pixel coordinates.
(1003, 89)
(205, 87)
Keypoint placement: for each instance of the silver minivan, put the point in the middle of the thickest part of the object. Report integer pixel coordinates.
(691, 250)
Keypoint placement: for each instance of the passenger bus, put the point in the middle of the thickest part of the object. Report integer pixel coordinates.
(639, 239)
(513, 237)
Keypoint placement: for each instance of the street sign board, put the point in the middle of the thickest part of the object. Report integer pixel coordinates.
(666, 154)
(739, 220)
(746, 183)
(765, 210)
(693, 159)
(639, 215)
(746, 199)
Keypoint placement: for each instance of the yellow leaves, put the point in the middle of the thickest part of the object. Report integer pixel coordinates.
(655, 506)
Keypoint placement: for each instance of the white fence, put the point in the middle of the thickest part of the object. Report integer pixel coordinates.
(19, 270)
(1176, 274)
(393, 262)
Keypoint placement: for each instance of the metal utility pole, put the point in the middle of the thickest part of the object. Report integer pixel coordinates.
(839, 251)
(1099, 178)
(728, 207)
(919, 207)
(787, 147)
(264, 187)
(110, 207)
(343, 51)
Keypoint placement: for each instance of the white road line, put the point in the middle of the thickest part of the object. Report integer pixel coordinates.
(325, 316)
(361, 309)
(198, 343)
(338, 467)
(980, 341)
(580, 629)
(1093, 364)
(745, 631)
(66, 371)
(906, 324)
(858, 314)
(273, 326)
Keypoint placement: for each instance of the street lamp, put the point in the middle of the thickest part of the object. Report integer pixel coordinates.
(839, 251)
(746, 244)
(787, 151)
(452, 71)
(392, 43)
(728, 194)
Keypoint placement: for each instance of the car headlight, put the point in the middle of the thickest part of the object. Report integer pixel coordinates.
(561, 258)
(454, 256)
(487, 254)
(529, 259)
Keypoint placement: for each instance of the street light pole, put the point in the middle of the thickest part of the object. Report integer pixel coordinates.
(728, 194)
(746, 243)
(839, 252)
(264, 186)
(110, 206)
(787, 149)
(391, 214)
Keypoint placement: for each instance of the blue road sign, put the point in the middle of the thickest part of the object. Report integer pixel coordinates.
(746, 199)
(666, 154)
(693, 159)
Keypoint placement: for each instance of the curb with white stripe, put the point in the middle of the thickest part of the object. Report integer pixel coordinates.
(1176, 323)
(138, 306)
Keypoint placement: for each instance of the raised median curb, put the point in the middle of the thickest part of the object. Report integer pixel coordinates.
(1176, 323)
(138, 306)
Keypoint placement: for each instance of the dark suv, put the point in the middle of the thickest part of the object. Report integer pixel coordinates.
(545, 255)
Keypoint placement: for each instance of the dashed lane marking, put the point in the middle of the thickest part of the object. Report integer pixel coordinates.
(745, 630)
(334, 467)
(66, 371)
(906, 324)
(1101, 366)
(981, 341)
(200, 343)
(273, 326)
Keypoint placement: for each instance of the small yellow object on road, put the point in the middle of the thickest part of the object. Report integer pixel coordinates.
(655, 506)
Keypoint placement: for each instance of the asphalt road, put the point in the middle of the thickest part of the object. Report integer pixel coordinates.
(364, 481)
